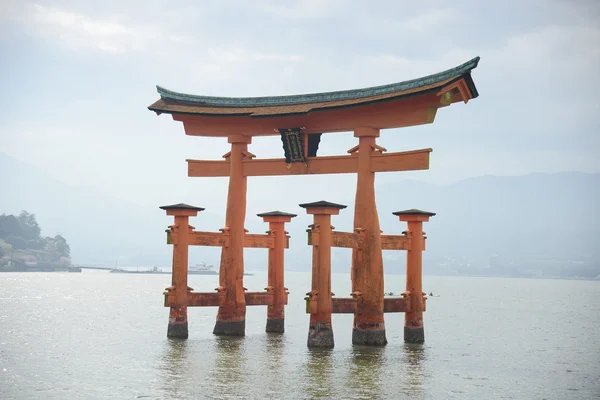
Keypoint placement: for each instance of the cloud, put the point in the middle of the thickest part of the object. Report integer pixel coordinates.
(536, 80)
(306, 9)
(80, 31)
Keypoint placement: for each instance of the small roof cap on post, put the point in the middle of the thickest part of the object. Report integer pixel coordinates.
(181, 206)
(322, 207)
(276, 214)
(414, 215)
(414, 211)
(181, 209)
(322, 204)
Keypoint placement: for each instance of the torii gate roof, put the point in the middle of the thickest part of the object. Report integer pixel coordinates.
(296, 110)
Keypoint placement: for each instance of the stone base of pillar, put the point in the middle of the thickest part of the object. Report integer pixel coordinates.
(322, 338)
(178, 331)
(414, 335)
(369, 337)
(230, 328)
(178, 325)
(275, 325)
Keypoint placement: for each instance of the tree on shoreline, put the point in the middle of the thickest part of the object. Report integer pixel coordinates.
(22, 235)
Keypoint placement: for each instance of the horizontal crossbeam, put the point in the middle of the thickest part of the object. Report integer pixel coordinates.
(348, 305)
(215, 239)
(222, 239)
(356, 240)
(395, 304)
(381, 162)
(259, 241)
(195, 299)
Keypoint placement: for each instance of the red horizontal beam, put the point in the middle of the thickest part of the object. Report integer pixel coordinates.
(356, 240)
(343, 305)
(216, 239)
(257, 241)
(259, 298)
(195, 299)
(394, 304)
(348, 305)
(412, 160)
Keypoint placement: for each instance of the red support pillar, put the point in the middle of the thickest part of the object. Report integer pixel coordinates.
(275, 312)
(180, 230)
(413, 322)
(367, 262)
(320, 332)
(231, 317)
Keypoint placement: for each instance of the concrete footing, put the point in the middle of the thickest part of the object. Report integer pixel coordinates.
(178, 331)
(230, 328)
(275, 325)
(414, 335)
(322, 338)
(369, 337)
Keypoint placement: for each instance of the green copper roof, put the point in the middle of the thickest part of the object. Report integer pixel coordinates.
(460, 70)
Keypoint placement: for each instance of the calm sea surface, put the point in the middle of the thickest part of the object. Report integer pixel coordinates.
(97, 335)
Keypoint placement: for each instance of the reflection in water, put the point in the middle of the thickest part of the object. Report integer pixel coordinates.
(275, 349)
(319, 374)
(174, 365)
(364, 371)
(414, 355)
(230, 359)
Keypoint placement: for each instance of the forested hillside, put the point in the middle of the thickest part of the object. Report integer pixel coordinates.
(21, 243)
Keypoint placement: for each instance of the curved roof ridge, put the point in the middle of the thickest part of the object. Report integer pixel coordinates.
(319, 97)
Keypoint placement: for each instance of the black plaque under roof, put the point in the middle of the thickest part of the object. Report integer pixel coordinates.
(414, 211)
(324, 204)
(181, 206)
(276, 214)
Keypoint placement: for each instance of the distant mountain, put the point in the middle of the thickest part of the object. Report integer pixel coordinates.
(537, 216)
(550, 214)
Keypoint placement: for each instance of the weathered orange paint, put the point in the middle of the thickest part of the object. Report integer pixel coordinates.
(197, 299)
(232, 314)
(320, 331)
(395, 113)
(253, 240)
(413, 322)
(343, 305)
(382, 162)
(356, 240)
(214, 299)
(276, 282)
(215, 239)
(367, 262)
(394, 304)
(180, 230)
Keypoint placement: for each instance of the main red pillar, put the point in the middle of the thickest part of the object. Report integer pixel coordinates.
(231, 317)
(320, 331)
(180, 230)
(367, 261)
(413, 318)
(276, 312)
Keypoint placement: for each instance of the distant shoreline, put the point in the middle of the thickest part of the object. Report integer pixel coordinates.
(251, 272)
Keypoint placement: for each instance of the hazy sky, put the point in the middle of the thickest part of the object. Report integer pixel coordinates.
(77, 77)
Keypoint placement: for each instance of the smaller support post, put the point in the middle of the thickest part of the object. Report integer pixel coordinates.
(275, 311)
(413, 318)
(320, 331)
(179, 236)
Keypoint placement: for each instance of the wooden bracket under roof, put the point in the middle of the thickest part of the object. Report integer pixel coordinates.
(462, 88)
(378, 148)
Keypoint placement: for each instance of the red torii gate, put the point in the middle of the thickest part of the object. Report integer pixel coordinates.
(300, 121)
